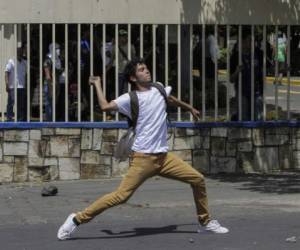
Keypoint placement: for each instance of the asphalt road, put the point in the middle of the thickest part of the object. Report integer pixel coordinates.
(282, 97)
(260, 211)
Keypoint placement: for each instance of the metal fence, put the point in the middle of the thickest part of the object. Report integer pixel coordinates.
(228, 72)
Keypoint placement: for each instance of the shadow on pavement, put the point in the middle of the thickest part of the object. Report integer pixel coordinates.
(142, 231)
(276, 183)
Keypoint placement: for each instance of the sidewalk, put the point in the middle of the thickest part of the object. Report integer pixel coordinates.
(260, 211)
(294, 80)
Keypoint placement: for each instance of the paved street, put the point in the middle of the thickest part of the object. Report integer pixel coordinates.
(282, 97)
(270, 90)
(261, 212)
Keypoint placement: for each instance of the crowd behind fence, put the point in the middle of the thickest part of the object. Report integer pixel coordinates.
(228, 72)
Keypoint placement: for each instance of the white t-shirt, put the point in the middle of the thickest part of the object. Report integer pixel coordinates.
(151, 128)
(21, 74)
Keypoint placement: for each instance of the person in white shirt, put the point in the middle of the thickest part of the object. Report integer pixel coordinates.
(20, 84)
(150, 155)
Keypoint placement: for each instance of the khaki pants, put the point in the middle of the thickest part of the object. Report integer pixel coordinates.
(143, 166)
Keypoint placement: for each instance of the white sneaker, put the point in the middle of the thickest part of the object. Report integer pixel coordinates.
(66, 229)
(214, 227)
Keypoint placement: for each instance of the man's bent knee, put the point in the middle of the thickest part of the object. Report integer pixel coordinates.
(198, 180)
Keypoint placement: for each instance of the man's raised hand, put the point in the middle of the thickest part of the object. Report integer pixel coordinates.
(196, 114)
(95, 81)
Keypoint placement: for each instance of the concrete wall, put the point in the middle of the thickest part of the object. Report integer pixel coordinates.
(151, 11)
(70, 154)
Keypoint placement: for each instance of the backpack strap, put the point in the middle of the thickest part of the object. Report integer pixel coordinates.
(134, 106)
(162, 90)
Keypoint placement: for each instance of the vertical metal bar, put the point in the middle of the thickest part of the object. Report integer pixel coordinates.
(141, 40)
(117, 63)
(276, 73)
(2, 80)
(216, 74)
(104, 62)
(28, 72)
(154, 52)
(79, 69)
(203, 73)
(240, 75)
(288, 72)
(179, 69)
(129, 41)
(264, 70)
(91, 70)
(41, 70)
(166, 54)
(252, 72)
(66, 72)
(16, 71)
(3, 63)
(228, 72)
(191, 70)
(129, 48)
(53, 74)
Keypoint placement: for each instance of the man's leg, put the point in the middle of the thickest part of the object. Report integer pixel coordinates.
(22, 105)
(246, 108)
(141, 168)
(258, 115)
(60, 104)
(48, 102)
(174, 168)
(10, 105)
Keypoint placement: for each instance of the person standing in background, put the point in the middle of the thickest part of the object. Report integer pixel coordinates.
(20, 84)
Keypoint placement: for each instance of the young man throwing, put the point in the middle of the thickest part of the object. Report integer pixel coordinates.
(150, 155)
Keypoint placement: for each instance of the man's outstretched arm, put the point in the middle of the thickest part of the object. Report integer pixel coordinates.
(177, 103)
(104, 104)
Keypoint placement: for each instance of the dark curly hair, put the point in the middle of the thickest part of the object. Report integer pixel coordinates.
(130, 68)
